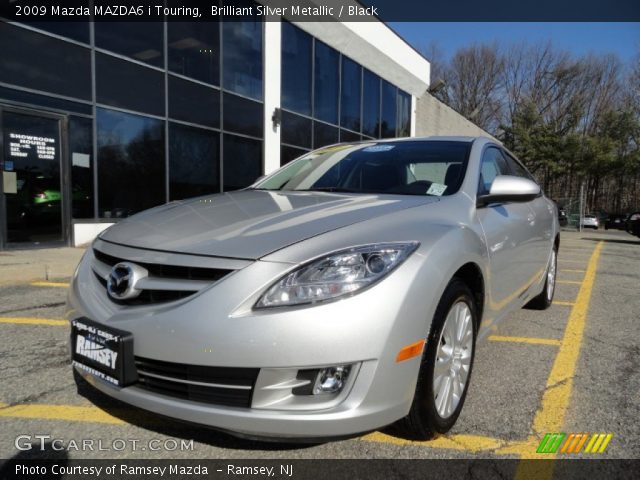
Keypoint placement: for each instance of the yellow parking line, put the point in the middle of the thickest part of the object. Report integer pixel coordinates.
(49, 284)
(69, 413)
(557, 395)
(569, 282)
(34, 321)
(470, 443)
(565, 304)
(91, 414)
(530, 340)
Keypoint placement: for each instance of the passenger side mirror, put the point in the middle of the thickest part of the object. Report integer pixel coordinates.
(507, 188)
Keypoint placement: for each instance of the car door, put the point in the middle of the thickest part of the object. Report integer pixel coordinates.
(540, 225)
(507, 231)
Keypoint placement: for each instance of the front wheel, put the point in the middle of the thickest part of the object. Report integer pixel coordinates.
(446, 365)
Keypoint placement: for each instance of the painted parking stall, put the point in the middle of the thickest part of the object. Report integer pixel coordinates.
(543, 358)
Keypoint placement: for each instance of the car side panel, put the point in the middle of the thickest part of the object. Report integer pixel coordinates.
(513, 263)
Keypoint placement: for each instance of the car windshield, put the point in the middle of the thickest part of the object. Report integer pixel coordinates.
(403, 167)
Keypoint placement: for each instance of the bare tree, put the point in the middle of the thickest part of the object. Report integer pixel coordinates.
(473, 80)
(572, 120)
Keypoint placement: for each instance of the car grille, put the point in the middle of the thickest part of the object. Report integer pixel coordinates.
(165, 283)
(149, 296)
(231, 387)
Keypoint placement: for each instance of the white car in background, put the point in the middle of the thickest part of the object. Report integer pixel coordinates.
(590, 221)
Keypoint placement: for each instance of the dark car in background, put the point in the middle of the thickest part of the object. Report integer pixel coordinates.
(633, 224)
(616, 221)
(563, 218)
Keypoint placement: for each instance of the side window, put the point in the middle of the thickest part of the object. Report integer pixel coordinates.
(493, 164)
(517, 169)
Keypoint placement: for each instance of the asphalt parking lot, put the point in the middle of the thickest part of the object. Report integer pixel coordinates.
(573, 368)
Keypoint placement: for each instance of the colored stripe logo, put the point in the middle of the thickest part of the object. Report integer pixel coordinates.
(574, 443)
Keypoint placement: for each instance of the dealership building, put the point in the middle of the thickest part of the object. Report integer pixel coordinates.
(100, 120)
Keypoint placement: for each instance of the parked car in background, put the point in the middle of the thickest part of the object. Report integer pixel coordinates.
(590, 221)
(633, 224)
(562, 217)
(616, 221)
(341, 293)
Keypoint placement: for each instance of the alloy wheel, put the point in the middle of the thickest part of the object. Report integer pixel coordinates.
(453, 359)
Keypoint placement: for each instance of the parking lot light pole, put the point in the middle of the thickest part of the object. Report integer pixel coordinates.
(581, 206)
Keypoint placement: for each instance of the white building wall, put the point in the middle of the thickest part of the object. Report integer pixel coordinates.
(84, 233)
(435, 118)
(272, 88)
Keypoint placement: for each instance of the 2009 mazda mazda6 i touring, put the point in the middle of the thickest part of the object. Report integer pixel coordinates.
(341, 293)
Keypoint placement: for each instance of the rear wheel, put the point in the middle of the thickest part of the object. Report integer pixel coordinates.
(544, 300)
(446, 366)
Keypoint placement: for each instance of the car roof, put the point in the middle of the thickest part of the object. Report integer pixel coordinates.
(440, 138)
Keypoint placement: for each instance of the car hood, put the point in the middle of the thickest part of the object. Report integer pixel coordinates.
(251, 223)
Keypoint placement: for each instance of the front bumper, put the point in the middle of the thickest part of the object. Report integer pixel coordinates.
(215, 328)
(348, 418)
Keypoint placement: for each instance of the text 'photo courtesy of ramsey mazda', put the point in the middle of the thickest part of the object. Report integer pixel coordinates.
(342, 293)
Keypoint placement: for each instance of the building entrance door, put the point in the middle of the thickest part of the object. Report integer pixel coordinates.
(32, 202)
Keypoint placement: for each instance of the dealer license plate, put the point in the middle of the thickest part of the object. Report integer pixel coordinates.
(104, 352)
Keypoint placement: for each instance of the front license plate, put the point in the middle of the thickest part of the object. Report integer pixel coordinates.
(105, 352)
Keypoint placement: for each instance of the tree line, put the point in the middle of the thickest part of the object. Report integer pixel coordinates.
(572, 120)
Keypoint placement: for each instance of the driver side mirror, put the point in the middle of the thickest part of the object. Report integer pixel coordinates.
(508, 188)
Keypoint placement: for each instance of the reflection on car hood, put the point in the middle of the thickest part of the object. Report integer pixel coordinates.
(251, 223)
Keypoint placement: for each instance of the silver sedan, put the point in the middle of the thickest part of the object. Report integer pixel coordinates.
(344, 292)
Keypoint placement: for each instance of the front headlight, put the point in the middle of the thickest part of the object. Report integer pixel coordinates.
(340, 273)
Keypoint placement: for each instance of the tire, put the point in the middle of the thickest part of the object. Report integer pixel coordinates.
(545, 298)
(425, 419)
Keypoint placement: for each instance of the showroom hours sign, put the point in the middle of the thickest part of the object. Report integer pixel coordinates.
(22, 146)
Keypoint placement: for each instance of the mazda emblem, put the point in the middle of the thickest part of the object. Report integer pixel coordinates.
(122, 281)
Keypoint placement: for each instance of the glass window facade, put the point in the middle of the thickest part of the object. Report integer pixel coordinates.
(40, 62)
(174, 110)
(371, 104)
(193, 102)
(78, 31)
(296, 69)
(295, 130)
(350, 94)
(124, 84)
(324, 134)
(326, 83)
(82, 165)
(242, 161)
(194, 161)
(404, 114)
(327, 97)
(142, 41)
(194, 50)
(160, 125)
(389, 113)
(131, 166)
(242, 52)
(290, 153)
(242, 115)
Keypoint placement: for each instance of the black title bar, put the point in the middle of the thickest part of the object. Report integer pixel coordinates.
(322, 10)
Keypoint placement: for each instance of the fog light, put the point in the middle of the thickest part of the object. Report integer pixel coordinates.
(331, 379)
